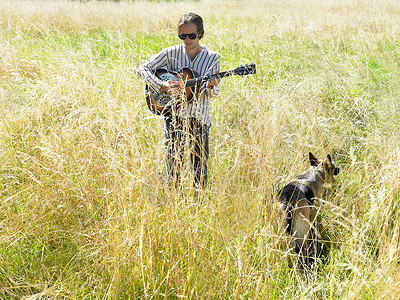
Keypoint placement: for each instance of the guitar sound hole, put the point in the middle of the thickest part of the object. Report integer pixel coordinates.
(167, 76)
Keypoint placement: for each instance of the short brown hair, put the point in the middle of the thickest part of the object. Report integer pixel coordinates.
(192, 18)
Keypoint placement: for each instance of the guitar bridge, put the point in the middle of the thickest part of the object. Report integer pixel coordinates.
(161, 99)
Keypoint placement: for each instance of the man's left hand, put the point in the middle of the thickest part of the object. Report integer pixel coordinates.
(212, 81)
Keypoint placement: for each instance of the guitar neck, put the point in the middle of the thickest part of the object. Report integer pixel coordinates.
(200, 80)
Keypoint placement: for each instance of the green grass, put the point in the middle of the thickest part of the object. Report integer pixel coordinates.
(85, 212)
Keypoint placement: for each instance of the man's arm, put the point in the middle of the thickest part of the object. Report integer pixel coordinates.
(214, 84)
(146, 70)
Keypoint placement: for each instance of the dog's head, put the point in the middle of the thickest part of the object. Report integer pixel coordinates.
(328, 166)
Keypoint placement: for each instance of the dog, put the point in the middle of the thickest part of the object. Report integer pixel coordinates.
(296, 200)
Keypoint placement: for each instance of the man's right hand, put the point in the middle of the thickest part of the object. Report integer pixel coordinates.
(172, 87)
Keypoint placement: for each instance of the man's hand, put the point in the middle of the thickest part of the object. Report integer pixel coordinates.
(172, 87)
(212, 81)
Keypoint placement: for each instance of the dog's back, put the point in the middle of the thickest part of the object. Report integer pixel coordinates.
(289, 196)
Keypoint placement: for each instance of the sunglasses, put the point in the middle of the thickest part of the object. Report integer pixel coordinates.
(191, 36)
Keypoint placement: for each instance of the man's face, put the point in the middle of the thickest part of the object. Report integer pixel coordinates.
(188, 29)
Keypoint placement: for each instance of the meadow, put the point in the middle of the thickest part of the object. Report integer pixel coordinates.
(85, 212)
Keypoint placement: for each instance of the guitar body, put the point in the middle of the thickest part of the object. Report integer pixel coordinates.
(161, 103)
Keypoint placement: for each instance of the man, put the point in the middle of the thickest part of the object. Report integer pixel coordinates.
(192, 120)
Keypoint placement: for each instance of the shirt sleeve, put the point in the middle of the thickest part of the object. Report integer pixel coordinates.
(146, 70)
(214, 91)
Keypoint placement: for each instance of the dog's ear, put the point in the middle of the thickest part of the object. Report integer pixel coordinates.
(313, 159)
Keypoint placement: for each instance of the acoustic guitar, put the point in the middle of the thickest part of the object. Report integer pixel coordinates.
(161, 103)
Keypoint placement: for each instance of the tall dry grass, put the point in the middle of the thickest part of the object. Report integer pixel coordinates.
(85, 211)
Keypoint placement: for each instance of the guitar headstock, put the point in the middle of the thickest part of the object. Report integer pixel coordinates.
(245, 70)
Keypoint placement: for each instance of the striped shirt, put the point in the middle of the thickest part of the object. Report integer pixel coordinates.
(175, 58)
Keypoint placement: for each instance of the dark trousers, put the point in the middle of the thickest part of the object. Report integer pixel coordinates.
(180, 133)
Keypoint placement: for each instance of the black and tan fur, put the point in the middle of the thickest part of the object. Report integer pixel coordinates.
(296, 199)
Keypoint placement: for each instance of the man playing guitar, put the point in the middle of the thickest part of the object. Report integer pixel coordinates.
(191, 119)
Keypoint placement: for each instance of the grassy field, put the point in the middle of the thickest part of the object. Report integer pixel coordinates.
(85, 212)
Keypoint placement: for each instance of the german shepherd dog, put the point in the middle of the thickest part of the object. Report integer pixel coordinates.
(296, 199)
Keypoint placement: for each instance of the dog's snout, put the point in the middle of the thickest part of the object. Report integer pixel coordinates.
(336, 171)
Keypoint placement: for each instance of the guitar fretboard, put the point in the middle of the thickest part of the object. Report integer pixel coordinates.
(201, 80)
